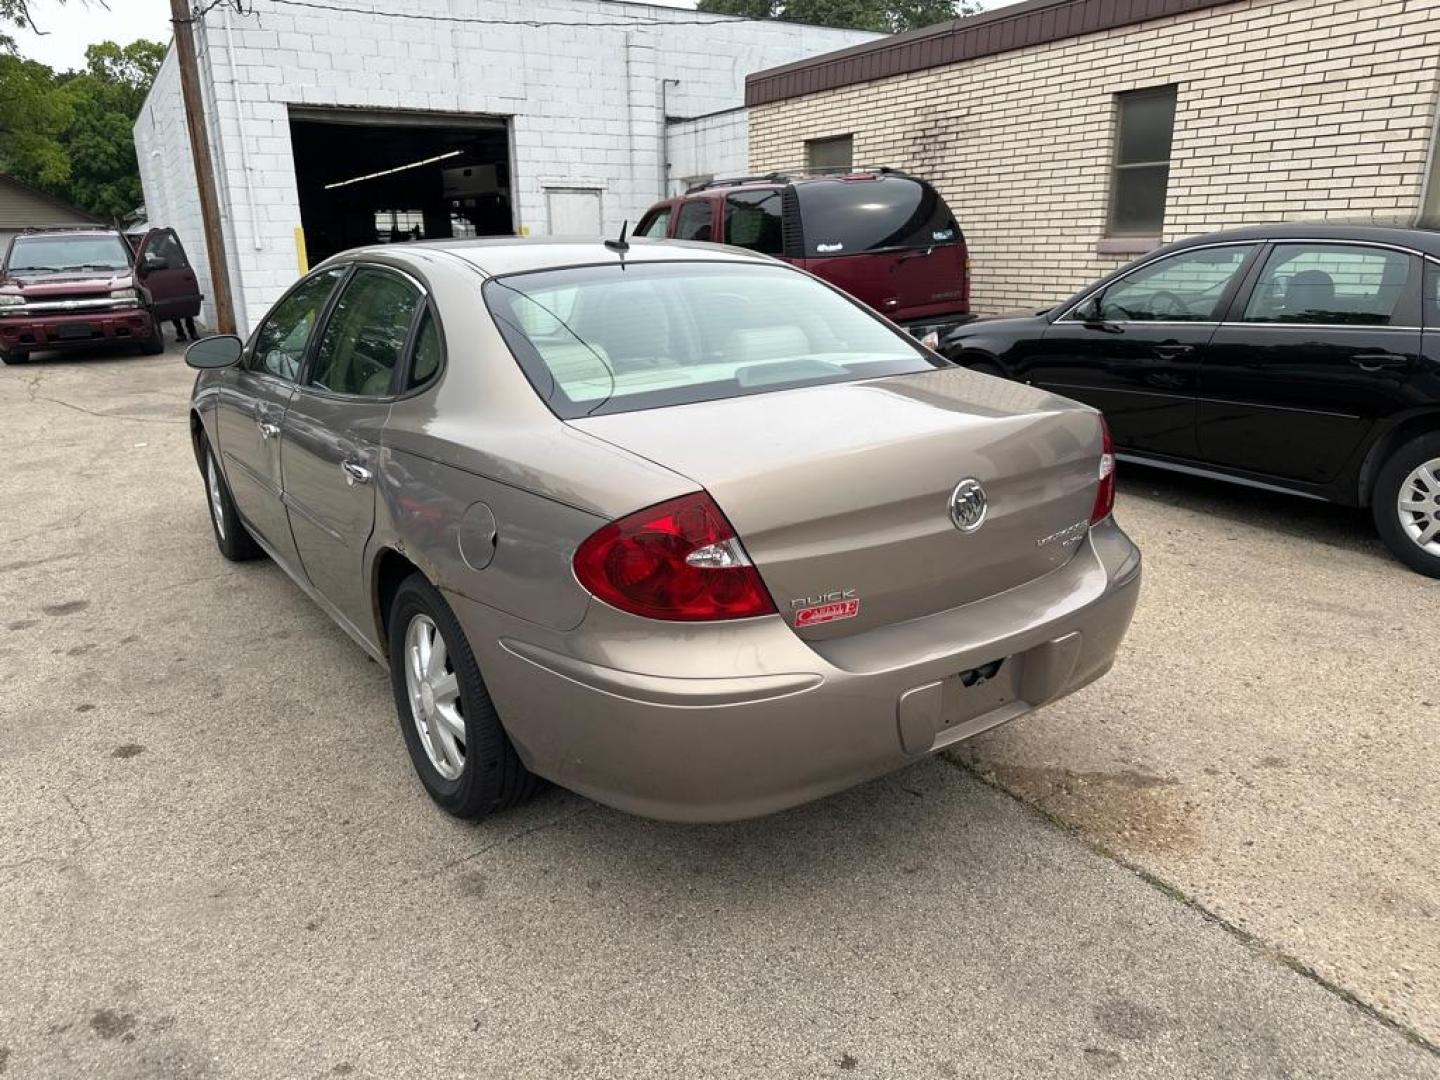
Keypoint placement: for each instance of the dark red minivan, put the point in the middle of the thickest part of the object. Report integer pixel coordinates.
(885, 237)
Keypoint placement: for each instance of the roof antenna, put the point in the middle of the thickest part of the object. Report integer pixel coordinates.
(622, 245)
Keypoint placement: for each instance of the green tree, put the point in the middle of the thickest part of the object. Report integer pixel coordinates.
(70, 134)
(880, 16)
(104, 100)
(32, 116)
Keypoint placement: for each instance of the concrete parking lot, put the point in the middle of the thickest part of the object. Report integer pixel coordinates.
(1220, 860)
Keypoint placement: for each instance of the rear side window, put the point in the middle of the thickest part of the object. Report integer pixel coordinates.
(1335, 283)
(753, 219)
(844, 217)
(366, 334)
(695, 221)
(655, 224)
(427, 351)
(605, 339)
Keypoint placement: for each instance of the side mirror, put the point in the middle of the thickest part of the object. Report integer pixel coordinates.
(152, 261)
(217, 351)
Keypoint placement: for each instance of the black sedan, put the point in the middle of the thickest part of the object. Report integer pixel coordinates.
(1296, 358)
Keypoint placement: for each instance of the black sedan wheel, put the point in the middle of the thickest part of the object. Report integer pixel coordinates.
(1407, 504)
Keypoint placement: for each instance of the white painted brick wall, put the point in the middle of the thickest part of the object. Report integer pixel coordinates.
(714, 145)
(1287, 109)
(585, 104)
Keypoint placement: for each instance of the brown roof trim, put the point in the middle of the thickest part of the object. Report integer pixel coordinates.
(1018, 26)
(46, 197)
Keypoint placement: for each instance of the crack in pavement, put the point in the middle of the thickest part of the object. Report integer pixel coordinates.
(1246, 937)
(109, 416)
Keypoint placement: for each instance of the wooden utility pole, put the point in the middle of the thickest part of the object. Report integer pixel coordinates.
(184, 23)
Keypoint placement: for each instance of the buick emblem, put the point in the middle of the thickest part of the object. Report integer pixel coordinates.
(968, 505)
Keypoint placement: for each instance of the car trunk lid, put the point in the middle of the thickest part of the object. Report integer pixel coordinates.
(841, 493)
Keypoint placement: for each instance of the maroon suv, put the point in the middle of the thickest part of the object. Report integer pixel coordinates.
(82, 288)
(884, 237)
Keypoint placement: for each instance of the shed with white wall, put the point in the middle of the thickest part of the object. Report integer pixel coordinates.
(579, 88)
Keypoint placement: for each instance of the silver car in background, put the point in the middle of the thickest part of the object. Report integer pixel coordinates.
(677, 527)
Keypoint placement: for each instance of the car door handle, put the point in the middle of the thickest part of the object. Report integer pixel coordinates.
(1173, 352)
(1376, 361)
(355, 473)
(267, 429)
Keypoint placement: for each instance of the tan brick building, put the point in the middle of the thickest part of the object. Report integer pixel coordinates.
(1070, 135)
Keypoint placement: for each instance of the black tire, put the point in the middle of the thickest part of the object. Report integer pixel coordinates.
(15, 356)
(984, 367)
(1385, 504)
(154, 345)
(493, 777)
(231, 536)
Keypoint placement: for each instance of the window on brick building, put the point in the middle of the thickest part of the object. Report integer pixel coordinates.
(830, 155)
(1144, 131)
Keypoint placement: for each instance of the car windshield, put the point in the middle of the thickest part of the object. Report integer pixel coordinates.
(845, 217)
(619, 338)
(56, 253)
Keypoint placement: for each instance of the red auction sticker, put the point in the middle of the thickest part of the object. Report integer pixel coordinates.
(823, 613)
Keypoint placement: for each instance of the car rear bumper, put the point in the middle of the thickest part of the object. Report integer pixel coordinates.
(939, 325)
(75, 330)
(727, 721)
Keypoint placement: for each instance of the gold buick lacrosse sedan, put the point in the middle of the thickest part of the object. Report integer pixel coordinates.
(676, 526)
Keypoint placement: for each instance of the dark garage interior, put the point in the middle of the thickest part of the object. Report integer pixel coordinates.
(368, 177)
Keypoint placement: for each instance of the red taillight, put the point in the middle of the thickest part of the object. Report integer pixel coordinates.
(678, 560)
(1105, 493)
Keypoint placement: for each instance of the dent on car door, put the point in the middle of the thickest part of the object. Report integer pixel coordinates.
(1319, 351)
(1134, 348)
(333, 429)
(251, 405)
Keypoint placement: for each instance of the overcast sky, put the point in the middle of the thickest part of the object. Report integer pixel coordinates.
(70, 27)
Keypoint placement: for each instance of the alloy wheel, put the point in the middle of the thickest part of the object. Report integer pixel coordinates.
(1419, 506)
(217, 505)
(434, 694)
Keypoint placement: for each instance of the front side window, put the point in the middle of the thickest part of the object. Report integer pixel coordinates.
(830, 155)
(366, 334)
(604, 339)
(1142, 161)
(1189, 287)
(166, 247)
(280, 342)
(655, 224)
(53, 254)
(696, 218)
(1334, 283)
(752, 220)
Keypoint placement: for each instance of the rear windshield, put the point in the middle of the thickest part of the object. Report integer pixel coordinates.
(843, 217)
(56, 253)
(606, 339)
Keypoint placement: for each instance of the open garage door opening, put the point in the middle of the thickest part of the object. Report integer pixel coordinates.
(369, 177)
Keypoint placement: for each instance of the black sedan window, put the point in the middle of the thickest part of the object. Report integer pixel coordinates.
(1333, 283)
(1187, 287)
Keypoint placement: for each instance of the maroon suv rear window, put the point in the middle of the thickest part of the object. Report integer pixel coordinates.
(844, 217)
